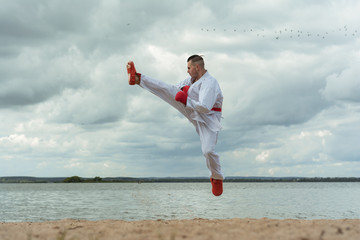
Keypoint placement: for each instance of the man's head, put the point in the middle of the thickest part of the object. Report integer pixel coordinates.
(196, 67)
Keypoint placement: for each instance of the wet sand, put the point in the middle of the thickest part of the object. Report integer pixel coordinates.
(249, 229)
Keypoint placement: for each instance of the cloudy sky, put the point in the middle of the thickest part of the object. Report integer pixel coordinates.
(289, 72)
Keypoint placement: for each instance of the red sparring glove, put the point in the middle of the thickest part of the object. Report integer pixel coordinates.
(181, 96)
(185, 89)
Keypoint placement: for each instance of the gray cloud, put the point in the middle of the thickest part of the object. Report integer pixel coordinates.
(343, 86)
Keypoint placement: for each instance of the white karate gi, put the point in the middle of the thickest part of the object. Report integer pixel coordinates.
(203, 95)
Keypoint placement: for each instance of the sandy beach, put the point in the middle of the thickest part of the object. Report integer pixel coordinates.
(250, 229)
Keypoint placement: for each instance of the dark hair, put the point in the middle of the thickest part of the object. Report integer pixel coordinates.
(195, 58)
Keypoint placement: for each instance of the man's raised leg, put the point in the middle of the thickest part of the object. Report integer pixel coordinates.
(161, 89)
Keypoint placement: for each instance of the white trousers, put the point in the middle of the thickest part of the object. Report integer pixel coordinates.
(208, 138)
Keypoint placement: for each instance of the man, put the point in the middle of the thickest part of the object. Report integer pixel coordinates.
(199, 98)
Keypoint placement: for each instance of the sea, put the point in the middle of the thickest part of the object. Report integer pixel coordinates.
(168, 201)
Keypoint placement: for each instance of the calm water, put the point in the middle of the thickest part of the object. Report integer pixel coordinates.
(128, 201)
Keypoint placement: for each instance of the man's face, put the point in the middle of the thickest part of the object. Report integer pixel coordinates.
(192, 70)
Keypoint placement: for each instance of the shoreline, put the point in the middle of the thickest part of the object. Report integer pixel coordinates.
(229, 179)
(236, 228)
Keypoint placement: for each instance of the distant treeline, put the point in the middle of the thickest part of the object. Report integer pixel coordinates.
(315, 179)
(77, 179)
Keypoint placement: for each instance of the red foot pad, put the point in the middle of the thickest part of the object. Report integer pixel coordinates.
(131, 72)
(217, 186)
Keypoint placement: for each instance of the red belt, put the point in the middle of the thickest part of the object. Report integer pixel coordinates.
(216, 109)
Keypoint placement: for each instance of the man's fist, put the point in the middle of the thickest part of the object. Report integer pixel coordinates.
(181, 96)
(185, 89)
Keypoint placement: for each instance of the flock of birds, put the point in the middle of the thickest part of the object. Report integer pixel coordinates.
(291, 33)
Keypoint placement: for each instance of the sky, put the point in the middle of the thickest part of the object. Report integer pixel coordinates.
(288, 71)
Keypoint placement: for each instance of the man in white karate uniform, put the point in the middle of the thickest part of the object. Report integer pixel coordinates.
(199, 98)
